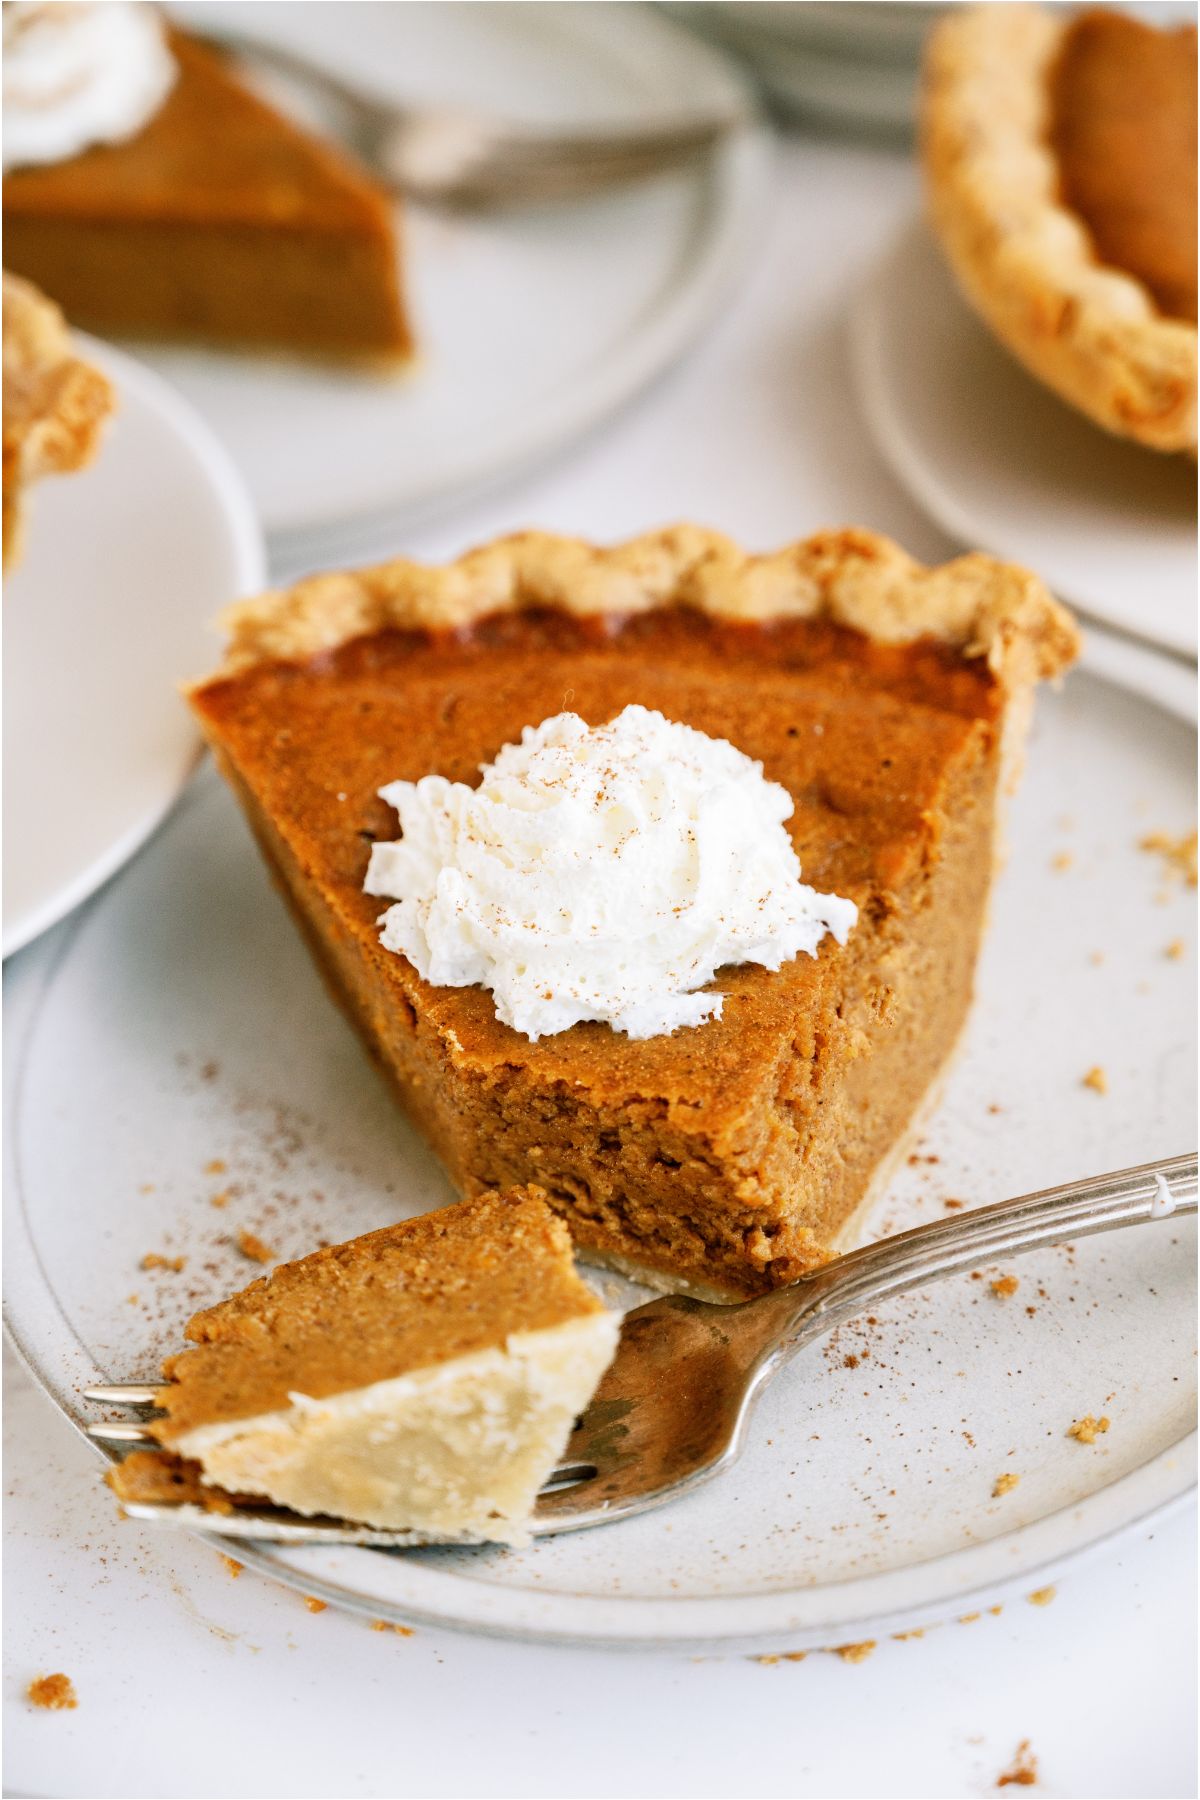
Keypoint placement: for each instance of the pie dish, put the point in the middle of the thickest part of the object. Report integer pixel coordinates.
(220, 221)
(55, 403)
(1060, 160)
(424, 1377)
(887, 698)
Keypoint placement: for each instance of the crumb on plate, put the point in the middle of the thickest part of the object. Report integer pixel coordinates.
(1178, 853)
(253, 1247)
(1023, 1769)
(53, 1693)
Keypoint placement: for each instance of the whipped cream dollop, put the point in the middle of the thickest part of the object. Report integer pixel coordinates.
(599, 873)
(76, 75)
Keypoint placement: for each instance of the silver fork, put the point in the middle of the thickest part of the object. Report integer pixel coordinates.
(674, 1409)
(449, 156)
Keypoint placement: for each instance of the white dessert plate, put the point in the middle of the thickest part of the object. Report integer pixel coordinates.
(172, 1046)
(1003, 465)
(533, 327)
(108, 611)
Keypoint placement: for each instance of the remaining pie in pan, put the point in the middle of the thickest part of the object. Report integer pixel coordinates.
(888, 699)
(423, 1377)
(55, 403)
(1060, 157)
(221, 221)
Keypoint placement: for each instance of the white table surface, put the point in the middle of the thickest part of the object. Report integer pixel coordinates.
(192, 1683)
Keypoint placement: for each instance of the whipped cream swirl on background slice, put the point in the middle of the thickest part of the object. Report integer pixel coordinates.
(76, 75)
(602, 873)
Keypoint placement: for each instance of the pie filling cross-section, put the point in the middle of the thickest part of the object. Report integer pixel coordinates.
(424, 1377)
(887, 698)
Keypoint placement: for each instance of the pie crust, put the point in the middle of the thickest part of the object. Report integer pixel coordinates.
(1025, 260)
(854, 578)
(55, 404)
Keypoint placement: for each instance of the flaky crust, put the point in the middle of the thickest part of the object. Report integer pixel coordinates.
(1025, 261)
(855, 578)
(55, 404)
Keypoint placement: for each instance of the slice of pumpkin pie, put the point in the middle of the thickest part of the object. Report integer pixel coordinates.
(687, 852)
(424, 1377)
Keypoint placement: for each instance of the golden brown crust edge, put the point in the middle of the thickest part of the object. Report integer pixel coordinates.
(1024, 261)
(855, 578)
(55, 403)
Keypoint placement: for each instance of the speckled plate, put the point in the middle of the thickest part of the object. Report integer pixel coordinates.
(176, 1073)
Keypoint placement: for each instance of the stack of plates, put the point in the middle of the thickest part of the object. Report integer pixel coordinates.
(856, 65)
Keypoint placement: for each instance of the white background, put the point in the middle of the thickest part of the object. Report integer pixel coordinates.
(191, 1683)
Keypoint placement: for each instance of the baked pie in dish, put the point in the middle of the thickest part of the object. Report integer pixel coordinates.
(888, 699)
(1060, 159)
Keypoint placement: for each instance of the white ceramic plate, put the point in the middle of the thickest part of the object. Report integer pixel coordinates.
(109, 609)
(533, 327)
(177, 1024)
(1004, 465)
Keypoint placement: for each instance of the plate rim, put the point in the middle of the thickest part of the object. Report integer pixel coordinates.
(1001, 1567)
(248, 574)
(867, 325)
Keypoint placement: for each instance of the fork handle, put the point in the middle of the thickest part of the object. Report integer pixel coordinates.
(838, 1292)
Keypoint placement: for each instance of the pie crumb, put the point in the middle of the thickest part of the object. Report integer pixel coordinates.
(152, 1260)
(1087, 1429)
(1096, 1079)
(1178, 853)
(1175, 950)
(1041, 1596)
(768, 1661)
(1023, 1772)
(902, 1637)
(313, 1604)
(854, 1653)
(221, 1199)
(953, 1205)
(253, 1247)
(1063, 861)
(1004, 1485)
(1005, 1285)
(53, 1693)
(794, 1655)
(215, 1167)
(403, 1630)
(969, 1618)
(233, 1565)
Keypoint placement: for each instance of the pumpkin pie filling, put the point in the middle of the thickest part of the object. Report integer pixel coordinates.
(727, 1157)
(1123, 130)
